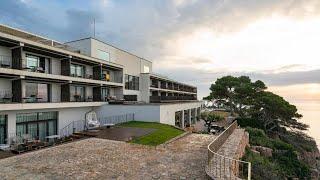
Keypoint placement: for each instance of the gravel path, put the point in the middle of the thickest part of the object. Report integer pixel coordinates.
(106, 159)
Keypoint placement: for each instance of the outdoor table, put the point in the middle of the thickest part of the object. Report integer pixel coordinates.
(52, 137)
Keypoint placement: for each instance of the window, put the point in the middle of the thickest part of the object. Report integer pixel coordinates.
(131, 82)
(103, 55)
(3, 128)
(77, 93)
(105, 93)
(32, 61)
(146, 69)
(37, 125)
(77, 70)
(35, 92)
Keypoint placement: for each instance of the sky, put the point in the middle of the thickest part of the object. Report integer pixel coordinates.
(194, 41)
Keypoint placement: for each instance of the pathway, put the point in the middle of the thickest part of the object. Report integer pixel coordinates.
(107, 159)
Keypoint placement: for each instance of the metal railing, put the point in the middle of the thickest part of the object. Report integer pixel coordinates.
(5, 61)
(116, 119)
(222, 167)
(80, 125)
(112, 78)
(170, 98)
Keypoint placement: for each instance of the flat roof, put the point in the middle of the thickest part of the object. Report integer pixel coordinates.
(108, 44)
(157, 104)
(168, 79)
(32, 39)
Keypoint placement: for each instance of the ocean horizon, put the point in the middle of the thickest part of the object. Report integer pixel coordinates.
(311, 112)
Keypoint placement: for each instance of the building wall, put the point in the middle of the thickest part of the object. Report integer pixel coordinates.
(162, 113)
(147, 113)
(133, 65)
(65, 116)
(82, 45)
(5, 51)
(144, 87)
(56, 66)
(167, 115)
(68, 115)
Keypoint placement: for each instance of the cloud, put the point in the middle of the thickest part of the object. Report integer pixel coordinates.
(151, 29)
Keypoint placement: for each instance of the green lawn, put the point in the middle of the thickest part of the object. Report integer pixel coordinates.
(162, 133)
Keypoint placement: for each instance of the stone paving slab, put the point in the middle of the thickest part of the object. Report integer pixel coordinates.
(107, 159)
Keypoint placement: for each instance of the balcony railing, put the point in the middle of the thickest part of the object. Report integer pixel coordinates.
(154, 85)
(5, 96)
(156, 99)
(79, 98)
(5, 61)
(116, 79)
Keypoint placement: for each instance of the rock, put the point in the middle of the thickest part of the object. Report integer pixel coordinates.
(264, 151)
(314, 174)
(255, 152)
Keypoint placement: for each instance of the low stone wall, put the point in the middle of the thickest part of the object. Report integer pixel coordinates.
(241, 149)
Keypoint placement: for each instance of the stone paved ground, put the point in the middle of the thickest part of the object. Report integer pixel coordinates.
(106, 159)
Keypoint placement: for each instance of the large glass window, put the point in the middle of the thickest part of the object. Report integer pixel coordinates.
(3, 128)
(77, 70)
(105, 92)
(36, 92)
(33, 61)
(37, 125)
(131, 82)
(146, 69)
(103, 55)
(77, 93)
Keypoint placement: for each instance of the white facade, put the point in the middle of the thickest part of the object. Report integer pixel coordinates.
(80, 76)
(162, 113)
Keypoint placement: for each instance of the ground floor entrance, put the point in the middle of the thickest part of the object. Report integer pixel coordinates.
(178, 119)
(37, 125)
(3, 128)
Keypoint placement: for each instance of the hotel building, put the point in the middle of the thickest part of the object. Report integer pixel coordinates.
(46, 85)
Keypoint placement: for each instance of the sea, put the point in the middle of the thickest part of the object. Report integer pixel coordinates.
(311, 114)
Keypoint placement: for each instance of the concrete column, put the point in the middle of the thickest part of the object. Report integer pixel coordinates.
(195, 114)
(182, 119)
(11, 124)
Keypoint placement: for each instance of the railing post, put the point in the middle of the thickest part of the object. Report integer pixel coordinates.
(73, 130)
(249, 171)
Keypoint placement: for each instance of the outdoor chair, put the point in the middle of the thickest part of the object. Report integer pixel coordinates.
(19, 148)
(92, 120)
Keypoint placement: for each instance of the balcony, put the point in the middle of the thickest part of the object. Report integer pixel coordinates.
(112, 78)
(158, 99)
(79, 98)
(5, 61)
(5, 96)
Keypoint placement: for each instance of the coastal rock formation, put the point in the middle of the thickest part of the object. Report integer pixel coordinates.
(264, 151)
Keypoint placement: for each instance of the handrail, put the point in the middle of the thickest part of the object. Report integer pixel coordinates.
(80, 125)
(222, 167)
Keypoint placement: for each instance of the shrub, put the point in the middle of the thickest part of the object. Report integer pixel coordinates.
(249, 122)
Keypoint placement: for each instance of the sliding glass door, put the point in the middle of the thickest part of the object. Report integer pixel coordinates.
(37, 125)
(3, 128)
(36, 92)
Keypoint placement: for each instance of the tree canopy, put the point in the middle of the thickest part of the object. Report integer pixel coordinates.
(250, 99)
